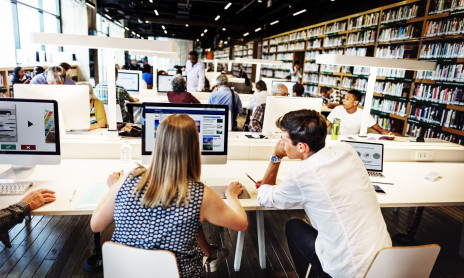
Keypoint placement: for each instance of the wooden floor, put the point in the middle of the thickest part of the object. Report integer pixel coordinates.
(57, 246)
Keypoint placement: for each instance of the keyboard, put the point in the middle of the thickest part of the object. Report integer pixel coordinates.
(375, 174)
(14, 188)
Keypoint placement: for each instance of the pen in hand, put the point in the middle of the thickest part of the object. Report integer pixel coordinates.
(72, 197)
(250, 178)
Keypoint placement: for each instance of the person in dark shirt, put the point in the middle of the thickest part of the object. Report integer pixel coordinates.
(179, 93)
(147, 75)
(19, 76)
(298, 90)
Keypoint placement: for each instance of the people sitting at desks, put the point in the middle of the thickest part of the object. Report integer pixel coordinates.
(280, 90)
(179, 93)
(147, 75)
(259, 97)
(97, 109)
(54, 75)
(19, 76)
(15, 213)
(256, 121)
(195, 70)
(121, 96)
(163, 206)
(224, 96)
(347, 227)
(351, 116)
(298, 90)
(67, 67)
(37, 70)
(331, 97)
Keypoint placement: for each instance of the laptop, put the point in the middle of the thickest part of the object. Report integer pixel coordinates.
(371, 155)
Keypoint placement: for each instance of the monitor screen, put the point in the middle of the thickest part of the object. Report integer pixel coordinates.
(164, 83)
(212, 122)
(129, 80)
(28, 132)
(277, 106)
(288, 84)
(371, 154)
(73, 101)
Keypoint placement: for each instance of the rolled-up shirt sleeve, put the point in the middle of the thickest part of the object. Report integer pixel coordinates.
(12, 215)
(282, 196)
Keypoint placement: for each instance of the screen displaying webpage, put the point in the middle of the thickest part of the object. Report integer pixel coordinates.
(27, 127)
(370, 154)
(130, 81)
(211, 124)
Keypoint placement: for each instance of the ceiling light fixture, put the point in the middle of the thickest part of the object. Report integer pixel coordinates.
(108, 16)
(217, 18)
(246, 34)
(90, 4)
(206, 30)
(165, 31)
(146, 21)
(300, 12)
(126, 28)
(156, 12)
(223, 29)
(225, 42)
(186, 25)
(151, 1)
(258, 29)
(228, 6)
(202, 34)
(162, 26)
(274, 22)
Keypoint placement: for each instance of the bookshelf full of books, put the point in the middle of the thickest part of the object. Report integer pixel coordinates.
(243, 51)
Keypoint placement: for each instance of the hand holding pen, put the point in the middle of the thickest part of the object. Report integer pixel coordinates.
(257, 183)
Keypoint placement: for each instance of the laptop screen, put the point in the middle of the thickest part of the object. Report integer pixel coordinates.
(371, 154)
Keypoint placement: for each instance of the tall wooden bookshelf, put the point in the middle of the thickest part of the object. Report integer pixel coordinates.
(404, 101)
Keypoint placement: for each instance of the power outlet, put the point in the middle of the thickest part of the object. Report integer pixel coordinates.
(423, 156)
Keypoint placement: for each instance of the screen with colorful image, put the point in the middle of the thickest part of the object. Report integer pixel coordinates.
(371, 154)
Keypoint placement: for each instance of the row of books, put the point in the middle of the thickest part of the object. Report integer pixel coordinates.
(334, 41)
(311, 55)
(330, 68)
(398, 73)
(427, 114)
(281, 74)
(1, 79)
(361, 70)
(442, 50)
(334, 51)
(444, 72)
(310, 77)
(356, 51)
(296, 46)
(389, 106)
(315, 31)
(335, 27)
(390, 51)
(301, 35)
(308, 66)
(363, 21)
(272, 49)
(316, 43)
(389, 123)
(397, 33)
(400, 13)
(414, 130)
(440, 6)
(439, 94)
(451, 26)
(329, 80)
(454, 119)
(285, 57)
(359, 84)
(311, 89)
(390, 88)
(367, 36)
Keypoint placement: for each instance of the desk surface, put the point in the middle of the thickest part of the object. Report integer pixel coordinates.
(410, 188)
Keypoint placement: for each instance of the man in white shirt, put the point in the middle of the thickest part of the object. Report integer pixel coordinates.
(351, 116)
(332, 185)
(195, 70)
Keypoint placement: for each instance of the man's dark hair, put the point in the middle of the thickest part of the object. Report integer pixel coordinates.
(297, 62)
(65, 66)
(146, 68)
(193, 53)
(305, 126)
(298, 89)
(325, 89)
(356, 94)
(261, 85)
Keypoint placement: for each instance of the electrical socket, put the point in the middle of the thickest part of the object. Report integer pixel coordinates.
(423, 156)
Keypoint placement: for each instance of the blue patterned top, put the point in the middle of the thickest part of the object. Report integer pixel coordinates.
(173, 228)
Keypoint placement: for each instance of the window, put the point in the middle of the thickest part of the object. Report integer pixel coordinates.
(7, 46)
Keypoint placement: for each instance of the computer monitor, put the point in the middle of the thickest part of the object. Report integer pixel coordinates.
(164, 83)
(73, 101)
(288, 84)
(131, 80)
(277, 106)
(174, 72)
(28, 130)
(212, 122)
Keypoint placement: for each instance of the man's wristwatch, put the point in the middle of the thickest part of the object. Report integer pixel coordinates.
(275, 159)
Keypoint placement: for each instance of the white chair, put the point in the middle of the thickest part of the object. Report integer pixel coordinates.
(404, 262)
(124, 261)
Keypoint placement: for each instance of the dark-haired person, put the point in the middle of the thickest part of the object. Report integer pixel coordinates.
(179, 93)
(332, 185)
(68, 69)
(38, 70)
(259, 97)
(225, 96)
(147, 75)
(195, 70)
(297, 72)
(351, 116)
(331, 97)
(19, 76)
(298, 90)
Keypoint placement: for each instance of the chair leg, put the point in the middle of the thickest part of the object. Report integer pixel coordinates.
(95, 262)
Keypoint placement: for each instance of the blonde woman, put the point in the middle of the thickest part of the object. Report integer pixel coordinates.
(55, 75)
(163, 206)
(97, 109)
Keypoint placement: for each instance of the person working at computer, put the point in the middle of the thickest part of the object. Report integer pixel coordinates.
(280, 90)
(97, 109)
(15, 213)
(68, 69)
(54, 75)
(351, 116)
(224, 96)
(19, 76)
(347, 227)
(331, 97)
(147, 75)
(179, 93)
(121, 96)
(298, 90)
(257, 119)
(163, 206)
(195, 70)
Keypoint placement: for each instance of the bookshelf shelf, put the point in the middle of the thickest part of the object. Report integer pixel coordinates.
(452, 130)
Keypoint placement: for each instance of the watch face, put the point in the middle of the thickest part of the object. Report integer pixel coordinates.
(274, 159)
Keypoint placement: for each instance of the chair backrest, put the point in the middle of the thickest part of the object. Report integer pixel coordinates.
(125, 261)
(404, 262)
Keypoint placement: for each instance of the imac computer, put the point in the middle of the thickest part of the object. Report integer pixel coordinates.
(73, 101)
(131, 80)
(277, 106)
(164, 83)
(288, 84)
(212, 121)
(28, 135)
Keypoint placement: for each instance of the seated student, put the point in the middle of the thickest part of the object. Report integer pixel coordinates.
(347, 227)
(280, 90)
(224, 96)
(147, 75)
(298, 90)
(19, 76)
(37, 70)
(68, 69)
(54, 75)
(97, 109)
(256, 121)
(163, 206)
(179, 93)
(259, 97)
(331, 97)
(351, 116)
(121, 96)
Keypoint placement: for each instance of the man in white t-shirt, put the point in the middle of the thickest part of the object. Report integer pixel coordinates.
(195, 70)
(332, 185)
(351, 116)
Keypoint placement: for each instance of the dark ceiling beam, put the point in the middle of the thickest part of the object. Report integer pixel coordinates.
(172, 21)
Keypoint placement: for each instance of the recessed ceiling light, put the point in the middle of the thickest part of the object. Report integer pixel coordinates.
(146, 21)
(258, 29)
(223, 29)
(156, 12)
(108, 16)
(300, 12)
(227, 6)
(151, 1)
(186, 25)
(165, 31)
(217, 18)
(126, 28)
(274, 22)
(246, 34)
(162, 26)
(198, 40)
(206, 30)
(202, 34)
(225, 42)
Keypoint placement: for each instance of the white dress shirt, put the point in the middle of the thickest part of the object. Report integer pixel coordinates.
(257, 99)
(195, 76)
(334, 189)
(350, 124)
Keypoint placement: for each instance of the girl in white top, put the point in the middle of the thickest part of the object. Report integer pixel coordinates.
(259, 97)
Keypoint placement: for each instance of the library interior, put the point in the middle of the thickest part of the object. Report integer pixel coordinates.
(232, 138)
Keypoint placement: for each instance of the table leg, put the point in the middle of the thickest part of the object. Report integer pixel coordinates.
(261, 240)
(239, 250)
(461, 245)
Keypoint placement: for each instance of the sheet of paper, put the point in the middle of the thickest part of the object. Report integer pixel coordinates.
(93, 196)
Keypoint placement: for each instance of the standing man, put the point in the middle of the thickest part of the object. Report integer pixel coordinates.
(195, 70)
(347, 227)
(224, 96)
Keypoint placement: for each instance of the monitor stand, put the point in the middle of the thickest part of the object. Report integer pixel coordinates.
(17, 172)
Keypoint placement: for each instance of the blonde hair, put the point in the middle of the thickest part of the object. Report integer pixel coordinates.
(175, 161)
(91, 92)
(55, 75)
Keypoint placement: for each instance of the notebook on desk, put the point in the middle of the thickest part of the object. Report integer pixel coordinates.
(371, 155)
